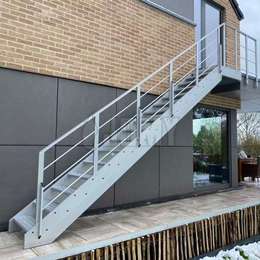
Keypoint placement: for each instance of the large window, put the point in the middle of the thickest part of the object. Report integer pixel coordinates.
(210, 147)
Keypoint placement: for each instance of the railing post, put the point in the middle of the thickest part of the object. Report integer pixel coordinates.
(246, 57)
(224, 46)
(138, 116)
(256, 63)
(96, 144)
(171, 89)
(39, 198)
(236, 49)
(219, 51)
(197, 63)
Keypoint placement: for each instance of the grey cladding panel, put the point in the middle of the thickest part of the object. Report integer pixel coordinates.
(18, 174)
(105, 201)
(141, 182)
(181, 135)
(76, 102)
(176, 171)
(27, 108)
(250, 96)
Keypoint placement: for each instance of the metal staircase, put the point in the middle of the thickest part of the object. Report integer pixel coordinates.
(181, 84)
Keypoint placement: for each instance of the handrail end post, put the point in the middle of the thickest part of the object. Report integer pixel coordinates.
(171, 89)
(40, 188)
(224, 47)
(197, 63)
(138, 116)
(96, 144)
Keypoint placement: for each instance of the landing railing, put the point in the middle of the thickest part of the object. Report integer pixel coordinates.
(129, 107)
(243, 53)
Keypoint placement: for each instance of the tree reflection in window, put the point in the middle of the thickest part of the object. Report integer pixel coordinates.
(210, 151)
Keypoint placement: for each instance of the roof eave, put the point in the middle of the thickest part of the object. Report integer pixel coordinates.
(237, 9)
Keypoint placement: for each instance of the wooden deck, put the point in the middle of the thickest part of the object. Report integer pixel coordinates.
(92, 232)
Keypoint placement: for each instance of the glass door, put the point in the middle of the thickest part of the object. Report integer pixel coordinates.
(207, 17)
(211, 20)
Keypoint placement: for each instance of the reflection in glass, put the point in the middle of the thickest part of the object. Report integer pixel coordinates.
(210, 147)
(212, 21)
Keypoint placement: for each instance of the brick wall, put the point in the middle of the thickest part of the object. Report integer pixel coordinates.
(114, 43)
(220, 101)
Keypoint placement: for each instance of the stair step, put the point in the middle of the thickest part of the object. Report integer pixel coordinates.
(117, 141)
(159, 105)
(50, 207)
(153, 111)
(77, 175)
(90, 163)
(179, 89)
(60, 189)
(25, 222)
(108, 149)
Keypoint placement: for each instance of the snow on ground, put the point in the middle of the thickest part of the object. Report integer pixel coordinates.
(250, 252)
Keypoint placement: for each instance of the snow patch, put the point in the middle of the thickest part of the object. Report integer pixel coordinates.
(250, 252)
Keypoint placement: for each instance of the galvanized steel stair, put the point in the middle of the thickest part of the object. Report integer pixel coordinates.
(62, 201)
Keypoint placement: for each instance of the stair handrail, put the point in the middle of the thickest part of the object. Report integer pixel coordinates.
(137, 89)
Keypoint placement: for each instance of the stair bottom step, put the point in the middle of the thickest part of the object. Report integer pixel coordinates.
(25, 222)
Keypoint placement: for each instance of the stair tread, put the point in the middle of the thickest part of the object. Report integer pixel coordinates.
(78, 174)
(50, 207)
(60, 188)
(25, 222)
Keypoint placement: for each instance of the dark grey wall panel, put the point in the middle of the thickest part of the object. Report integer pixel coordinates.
(181, 135)
(27, 108)
(18, 175)
(233, 148)
(250, 96)
(141, 182)
(78, 101)
(105, 201)
(70, 158)
(176, 171)
(184, 8)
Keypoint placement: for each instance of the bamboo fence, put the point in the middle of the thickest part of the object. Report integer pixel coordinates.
(184, 242)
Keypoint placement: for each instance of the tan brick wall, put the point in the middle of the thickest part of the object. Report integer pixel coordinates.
(114, 43)
(220, 101)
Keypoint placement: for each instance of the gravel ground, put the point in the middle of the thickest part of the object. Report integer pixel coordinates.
(250, 252)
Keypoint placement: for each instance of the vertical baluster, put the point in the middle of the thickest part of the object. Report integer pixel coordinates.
(236, 49)
(96, 143)
(39, 199)
(219, 50)
(138, 116)
(256, 63)
(197, 62)
(171, 89)
(246, 57)
(224, 46)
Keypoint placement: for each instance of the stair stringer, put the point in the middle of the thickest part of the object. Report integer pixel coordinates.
(55, 223)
